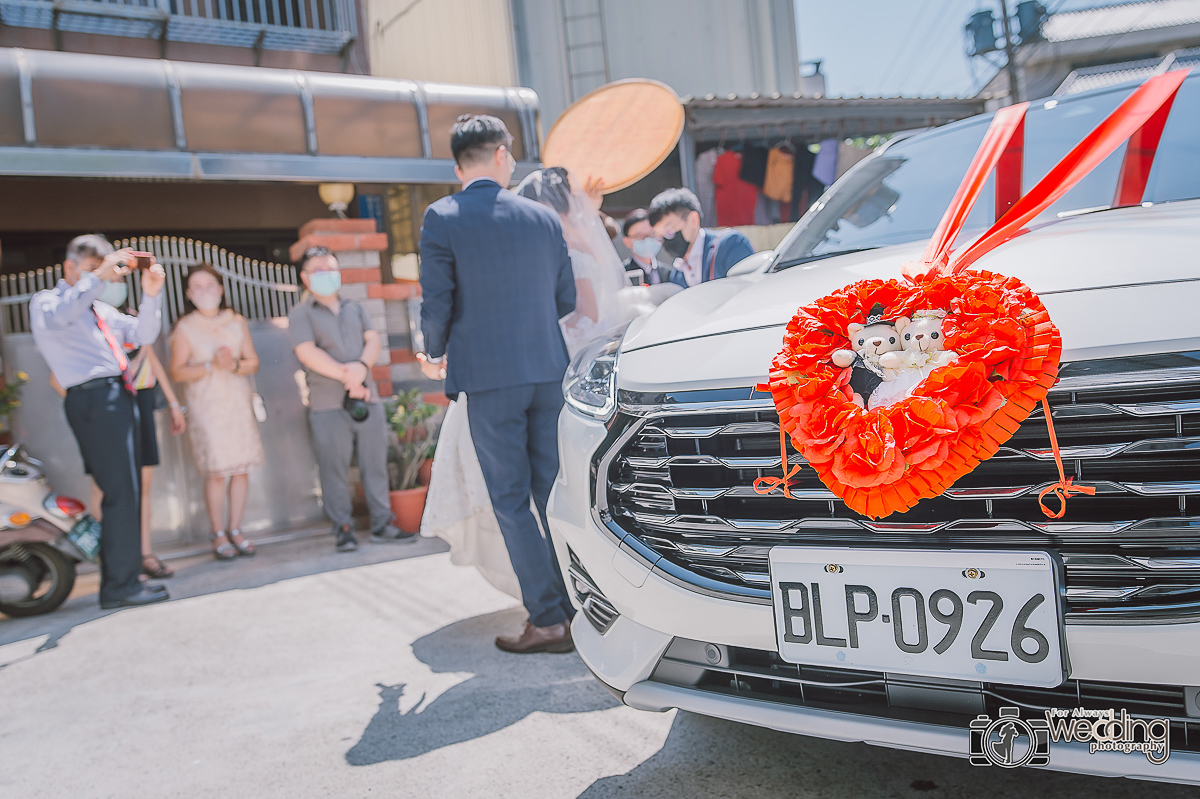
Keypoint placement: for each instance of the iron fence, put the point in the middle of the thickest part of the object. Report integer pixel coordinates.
(255, 289)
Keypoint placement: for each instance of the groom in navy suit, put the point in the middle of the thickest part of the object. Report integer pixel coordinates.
(495, 278)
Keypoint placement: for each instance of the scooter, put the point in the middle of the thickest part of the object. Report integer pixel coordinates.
(43, 537)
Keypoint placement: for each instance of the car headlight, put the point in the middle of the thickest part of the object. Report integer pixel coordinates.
(590, 385)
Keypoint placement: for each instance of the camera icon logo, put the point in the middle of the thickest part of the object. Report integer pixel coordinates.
(1009, 741)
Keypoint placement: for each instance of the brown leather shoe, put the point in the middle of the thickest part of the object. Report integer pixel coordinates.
(555, 638)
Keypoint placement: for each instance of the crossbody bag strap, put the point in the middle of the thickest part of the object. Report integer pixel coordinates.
(712, 258)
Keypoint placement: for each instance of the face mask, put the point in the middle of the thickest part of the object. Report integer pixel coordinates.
(325, 284)
(677, 245)
(647, 247)
(208, 301)
(115, 293)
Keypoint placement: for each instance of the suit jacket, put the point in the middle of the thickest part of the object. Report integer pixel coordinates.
(495, 279)
(732, 247)
(632, 267)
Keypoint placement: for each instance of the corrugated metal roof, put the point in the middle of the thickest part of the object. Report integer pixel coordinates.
(1088, 78)
(710, 118)
(1108, 20)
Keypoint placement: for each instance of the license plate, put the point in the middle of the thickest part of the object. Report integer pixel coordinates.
(85, 535)
(980, 616)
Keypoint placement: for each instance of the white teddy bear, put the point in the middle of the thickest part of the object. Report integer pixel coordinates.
(871, 343)
(924, 350)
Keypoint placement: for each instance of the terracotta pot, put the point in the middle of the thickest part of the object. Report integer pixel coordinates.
(425, 472)
(409, 506)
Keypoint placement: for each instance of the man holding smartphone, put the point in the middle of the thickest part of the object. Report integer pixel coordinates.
(83, 338)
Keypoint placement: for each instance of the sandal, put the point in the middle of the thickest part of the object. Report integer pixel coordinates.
(152, 566)
(226, 551)
(243, 545)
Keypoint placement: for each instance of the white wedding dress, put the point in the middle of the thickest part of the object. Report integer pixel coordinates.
(457, 508)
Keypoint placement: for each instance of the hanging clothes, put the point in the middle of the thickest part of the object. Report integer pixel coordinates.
(778, 182)
(705, 190)
(735, 197)
(805, 188)
(825, 164)
(848, 156)
(766, 211)
(754, 166)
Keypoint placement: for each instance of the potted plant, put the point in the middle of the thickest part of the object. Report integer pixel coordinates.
(10, 399)
(415, 425)
(425, 474)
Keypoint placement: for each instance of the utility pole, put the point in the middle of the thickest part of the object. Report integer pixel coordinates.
(1010, 52)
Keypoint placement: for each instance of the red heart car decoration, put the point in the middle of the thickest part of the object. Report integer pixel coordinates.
(986, 352)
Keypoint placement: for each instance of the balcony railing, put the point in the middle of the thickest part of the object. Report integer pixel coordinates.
(310, 26)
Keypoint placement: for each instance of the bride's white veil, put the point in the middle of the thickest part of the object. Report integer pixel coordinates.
(593, 257)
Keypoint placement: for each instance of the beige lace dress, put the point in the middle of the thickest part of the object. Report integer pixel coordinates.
(221, 425)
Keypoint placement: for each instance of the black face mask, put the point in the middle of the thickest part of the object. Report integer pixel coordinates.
(677, 245)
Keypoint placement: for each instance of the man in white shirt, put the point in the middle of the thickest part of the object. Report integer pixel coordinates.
(83, 337)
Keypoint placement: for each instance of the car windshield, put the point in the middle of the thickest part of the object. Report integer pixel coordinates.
(900, 195)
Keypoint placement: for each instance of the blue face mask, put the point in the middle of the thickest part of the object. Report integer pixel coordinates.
(325, 284)
(115, 293)
(647, 247)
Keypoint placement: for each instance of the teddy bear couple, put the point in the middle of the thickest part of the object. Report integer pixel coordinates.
(890, 358)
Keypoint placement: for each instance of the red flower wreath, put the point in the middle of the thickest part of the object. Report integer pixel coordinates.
(885, 459)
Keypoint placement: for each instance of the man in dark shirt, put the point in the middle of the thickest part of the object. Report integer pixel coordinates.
(335, 343)
(638, 237)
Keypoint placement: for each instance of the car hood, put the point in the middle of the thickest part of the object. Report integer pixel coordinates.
(1121, 282)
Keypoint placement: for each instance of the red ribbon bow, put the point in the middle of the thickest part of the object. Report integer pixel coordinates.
(1065, 485)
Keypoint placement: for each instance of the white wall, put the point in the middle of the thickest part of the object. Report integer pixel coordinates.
(450, 41)
(697, 47)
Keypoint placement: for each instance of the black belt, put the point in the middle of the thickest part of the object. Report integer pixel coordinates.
(98, 382)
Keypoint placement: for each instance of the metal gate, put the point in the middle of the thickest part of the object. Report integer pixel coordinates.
(284, 493)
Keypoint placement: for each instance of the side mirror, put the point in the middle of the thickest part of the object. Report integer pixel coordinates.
(752, 264)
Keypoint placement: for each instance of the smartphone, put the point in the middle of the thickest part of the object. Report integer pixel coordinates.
(142, 260)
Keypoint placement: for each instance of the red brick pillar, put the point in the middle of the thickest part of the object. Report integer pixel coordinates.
(359, 250)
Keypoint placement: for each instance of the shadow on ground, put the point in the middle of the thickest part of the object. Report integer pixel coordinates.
(720, 759)
(200, 575)
(505, 688)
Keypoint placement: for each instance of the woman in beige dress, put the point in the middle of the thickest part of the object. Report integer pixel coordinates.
(212, 355)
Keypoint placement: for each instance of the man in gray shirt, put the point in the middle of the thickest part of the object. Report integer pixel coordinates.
(83, 337)
(335, 343)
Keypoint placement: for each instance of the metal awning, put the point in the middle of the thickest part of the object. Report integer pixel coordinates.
(77, 115)
(713, 118)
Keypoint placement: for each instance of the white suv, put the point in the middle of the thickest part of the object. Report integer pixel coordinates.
(668, 548)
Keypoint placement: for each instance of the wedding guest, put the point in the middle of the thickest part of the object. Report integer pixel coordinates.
(335, 342)
(638, 237)
(212, 355)
(700, 255)
(149, 377)
(148, 374)
(83, 341)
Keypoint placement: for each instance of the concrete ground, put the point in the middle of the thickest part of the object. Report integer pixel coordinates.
(305, 673)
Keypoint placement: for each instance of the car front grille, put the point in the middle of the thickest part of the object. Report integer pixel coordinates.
(680, 483)
(763, 675)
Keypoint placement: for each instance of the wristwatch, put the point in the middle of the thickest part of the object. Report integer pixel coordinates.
(432, 360)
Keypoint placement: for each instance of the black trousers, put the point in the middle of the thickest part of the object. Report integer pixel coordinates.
(515, 432)
(103, 416)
